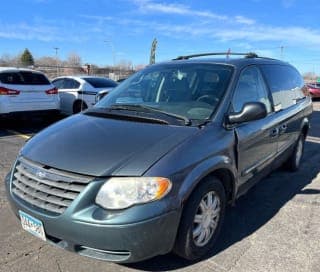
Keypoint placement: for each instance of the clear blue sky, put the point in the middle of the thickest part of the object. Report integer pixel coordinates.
(91, 28)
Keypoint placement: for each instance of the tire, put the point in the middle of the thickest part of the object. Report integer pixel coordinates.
(200, 225)
(294, 161)
(79, 106)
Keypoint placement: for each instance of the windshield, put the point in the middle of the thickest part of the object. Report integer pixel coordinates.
(190, 91)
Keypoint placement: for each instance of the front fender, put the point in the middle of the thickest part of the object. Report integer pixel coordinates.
(204, 169)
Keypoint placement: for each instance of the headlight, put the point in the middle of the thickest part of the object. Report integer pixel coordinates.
(121, 193)
(101, 95)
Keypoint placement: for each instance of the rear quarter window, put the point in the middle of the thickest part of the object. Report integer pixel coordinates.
(71, 84)
(285, 83)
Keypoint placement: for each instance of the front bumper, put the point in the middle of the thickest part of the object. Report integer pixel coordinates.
(122, 243)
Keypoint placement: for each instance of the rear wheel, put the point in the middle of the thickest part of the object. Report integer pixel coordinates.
(294, 161)
(79, 106)
(201, 220)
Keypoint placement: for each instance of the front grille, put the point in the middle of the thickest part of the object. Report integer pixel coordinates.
(46, 188)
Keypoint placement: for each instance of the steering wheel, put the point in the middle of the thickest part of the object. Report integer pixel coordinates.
(208, 98)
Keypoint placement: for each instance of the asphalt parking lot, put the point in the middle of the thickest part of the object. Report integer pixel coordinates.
(275, 227)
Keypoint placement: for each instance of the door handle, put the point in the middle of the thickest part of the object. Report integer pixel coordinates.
(283, 128)
(274, 132)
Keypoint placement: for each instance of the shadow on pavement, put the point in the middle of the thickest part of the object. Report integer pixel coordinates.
(26, 125)
(256, 208)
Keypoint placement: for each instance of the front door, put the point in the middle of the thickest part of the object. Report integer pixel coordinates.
(256, 140)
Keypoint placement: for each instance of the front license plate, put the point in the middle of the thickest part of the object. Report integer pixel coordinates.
(32, 225)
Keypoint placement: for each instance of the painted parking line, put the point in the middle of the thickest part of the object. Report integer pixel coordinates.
(24, 136)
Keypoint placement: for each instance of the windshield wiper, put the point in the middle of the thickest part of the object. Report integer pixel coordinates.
(105, 112)
(143, 108)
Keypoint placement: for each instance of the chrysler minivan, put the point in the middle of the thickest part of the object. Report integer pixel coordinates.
(151, 167)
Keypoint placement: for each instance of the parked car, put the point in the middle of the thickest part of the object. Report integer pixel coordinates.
(101, 94)
(151, 167)
(314, 90)
(26, 91)
(78, 93)
(121, 79)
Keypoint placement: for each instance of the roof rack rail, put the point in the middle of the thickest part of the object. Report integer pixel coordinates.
(227, 54)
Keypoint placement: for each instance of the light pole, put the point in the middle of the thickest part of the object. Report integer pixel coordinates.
(56, 49)
(281, 51)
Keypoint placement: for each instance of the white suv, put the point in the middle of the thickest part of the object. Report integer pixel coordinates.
(25, 90)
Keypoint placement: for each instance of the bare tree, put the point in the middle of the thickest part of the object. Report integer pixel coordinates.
(73, 66)
(309, 76)
(139, 67)
(8, 60)
(47, 61)
(74, 60)
(123, 65)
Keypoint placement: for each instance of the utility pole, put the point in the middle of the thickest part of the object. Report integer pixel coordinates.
(281, 49)
(228, 53)
(57, 67)
(153, 51)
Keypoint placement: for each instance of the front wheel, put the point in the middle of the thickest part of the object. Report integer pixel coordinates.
(201, 220)
(79, 106)
(294, 161)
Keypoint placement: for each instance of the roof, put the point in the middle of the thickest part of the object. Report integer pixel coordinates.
(16, 69)
(80, 77)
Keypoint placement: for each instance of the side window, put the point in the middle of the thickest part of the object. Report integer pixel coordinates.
(58, 83)
(61, 83)
(69, 83)
(250, 88)
(285, 83)
(74, 84)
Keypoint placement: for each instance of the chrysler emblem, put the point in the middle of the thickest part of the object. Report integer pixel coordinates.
(40, 174)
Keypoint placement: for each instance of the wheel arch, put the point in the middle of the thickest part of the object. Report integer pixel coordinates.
(223, 169)
(305, 125)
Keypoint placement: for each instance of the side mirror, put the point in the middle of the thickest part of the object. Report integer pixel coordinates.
(251, 111)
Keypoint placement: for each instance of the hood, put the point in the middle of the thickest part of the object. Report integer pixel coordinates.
(104, 147)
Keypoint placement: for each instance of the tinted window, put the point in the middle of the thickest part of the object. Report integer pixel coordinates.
(285, 83)
(58, 83)
(251, 88)
(66, 83)
(97, 82)
(72, 84)
(23, 78)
